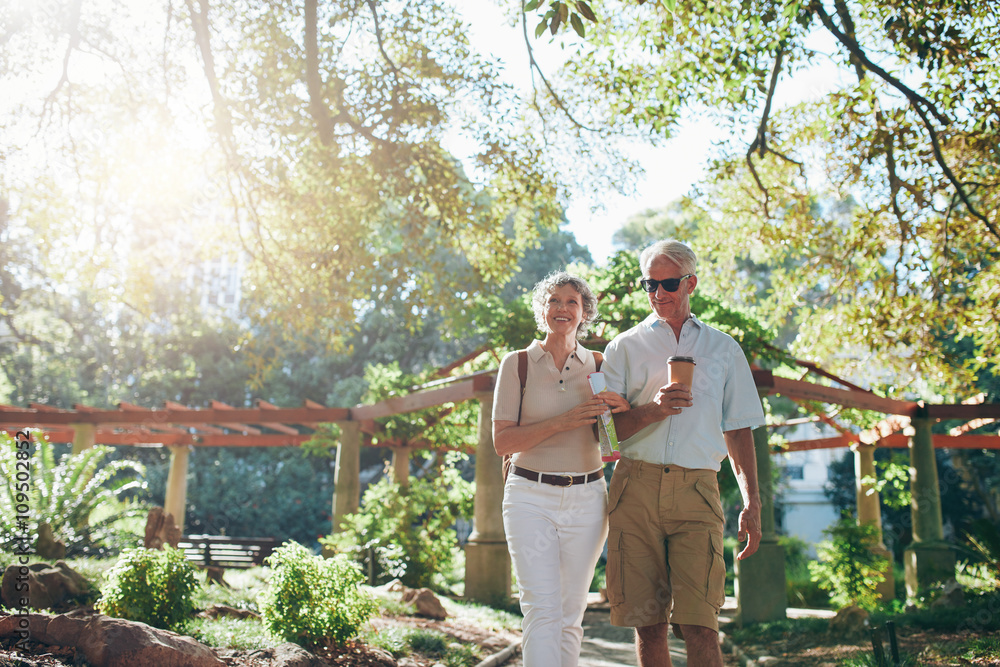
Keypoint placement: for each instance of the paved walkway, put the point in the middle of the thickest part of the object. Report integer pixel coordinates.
(605, 645)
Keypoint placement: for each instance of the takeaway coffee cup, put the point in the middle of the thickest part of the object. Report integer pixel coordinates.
(680, 369)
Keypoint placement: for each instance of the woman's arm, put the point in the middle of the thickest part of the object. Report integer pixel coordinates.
(509, 438)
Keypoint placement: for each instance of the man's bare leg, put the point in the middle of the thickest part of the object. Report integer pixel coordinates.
(651, 646)
(702, 645)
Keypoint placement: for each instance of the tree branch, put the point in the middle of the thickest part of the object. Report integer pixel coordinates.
(533, 64)
(759, 143)
(314, 82)
(919, 104)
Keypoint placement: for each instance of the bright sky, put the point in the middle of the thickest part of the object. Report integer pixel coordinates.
(671, 169)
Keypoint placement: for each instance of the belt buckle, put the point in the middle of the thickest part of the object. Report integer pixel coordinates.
(569, 479)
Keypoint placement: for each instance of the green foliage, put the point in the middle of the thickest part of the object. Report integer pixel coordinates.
(984, 540)
(800, 588)
(452, 424)
(869, 660)
(847, 566)
(406, 534)
(869, 210)
(66, 493)
(312, 600)
(151, 586)
(243, 634)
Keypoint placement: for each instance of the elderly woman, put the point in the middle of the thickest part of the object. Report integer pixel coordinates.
(555, 497)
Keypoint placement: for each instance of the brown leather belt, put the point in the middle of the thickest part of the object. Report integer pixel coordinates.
(557, 480)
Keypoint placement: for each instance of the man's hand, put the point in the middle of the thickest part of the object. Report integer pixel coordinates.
(672, 398)
(749, 530)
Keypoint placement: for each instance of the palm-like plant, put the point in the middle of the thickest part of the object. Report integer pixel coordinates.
(64, 494)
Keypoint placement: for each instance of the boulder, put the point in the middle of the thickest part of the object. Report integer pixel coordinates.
(42, 586)
(851, 621)
(112, 642)
(425, 602)
(47, 546)
(217, 610)
(952, 596)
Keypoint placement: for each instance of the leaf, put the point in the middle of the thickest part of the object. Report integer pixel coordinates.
(586, 12)
(577, 24)
(540, 28)
(531, 5)
(671, 5)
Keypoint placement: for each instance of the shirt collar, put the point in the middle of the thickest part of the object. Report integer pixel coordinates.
(652, 321)
(580, 354)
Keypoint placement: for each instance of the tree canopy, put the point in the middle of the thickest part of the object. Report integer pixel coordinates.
(875, 201)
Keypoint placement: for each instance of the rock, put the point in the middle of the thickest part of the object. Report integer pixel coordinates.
(426, 603)
(952, 596)
(42, 586)
(47, 546)
(851, 621)
(217, 610)
(113, 642)
(160, 530)
(293, 655)
(394, 586)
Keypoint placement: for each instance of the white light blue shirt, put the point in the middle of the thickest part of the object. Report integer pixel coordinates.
(725, 396)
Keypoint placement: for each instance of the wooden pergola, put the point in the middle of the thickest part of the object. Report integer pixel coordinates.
(179, 427)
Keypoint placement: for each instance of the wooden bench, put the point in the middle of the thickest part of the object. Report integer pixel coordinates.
(225, 551)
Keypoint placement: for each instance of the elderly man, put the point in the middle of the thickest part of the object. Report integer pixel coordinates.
(665, 562)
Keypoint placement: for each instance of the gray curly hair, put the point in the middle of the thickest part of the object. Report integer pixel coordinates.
(545, 286)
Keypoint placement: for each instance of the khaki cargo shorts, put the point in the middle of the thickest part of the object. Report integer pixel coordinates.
(664, 546)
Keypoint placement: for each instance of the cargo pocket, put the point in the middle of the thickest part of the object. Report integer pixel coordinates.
(614, 572)
(716, 585)
(617, 488)
(711, 497)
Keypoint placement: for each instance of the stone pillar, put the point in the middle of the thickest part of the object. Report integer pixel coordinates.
(84, 436)
(487, 562)
(401, 467)
(870, 511)
(347, 478)
(761, 594)
(176, 497)
(928, 559)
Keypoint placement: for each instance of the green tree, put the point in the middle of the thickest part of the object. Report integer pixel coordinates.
(878, 197)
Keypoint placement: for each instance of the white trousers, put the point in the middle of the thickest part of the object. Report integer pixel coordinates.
(555, 535)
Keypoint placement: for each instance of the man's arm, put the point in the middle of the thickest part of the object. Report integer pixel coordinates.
(668, 401)
(744, 461)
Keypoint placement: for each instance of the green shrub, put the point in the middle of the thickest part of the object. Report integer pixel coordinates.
(848, 567)
(78, 495)
(406, 534)
(312, 600)
(151, 586)
(428, 642)
(801, 590)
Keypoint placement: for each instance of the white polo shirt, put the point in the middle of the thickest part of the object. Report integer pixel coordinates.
(725, 396)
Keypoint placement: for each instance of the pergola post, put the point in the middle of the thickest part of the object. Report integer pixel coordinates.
(487, 562)
(347, 478)
(928, 559)
(760, 589)
(870, 511)
(401, 467)
(84, 436)
(176, 497)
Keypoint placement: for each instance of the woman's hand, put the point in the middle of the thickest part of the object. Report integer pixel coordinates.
(616, 402)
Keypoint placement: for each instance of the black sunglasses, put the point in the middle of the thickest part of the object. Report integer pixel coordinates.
(670, 284)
